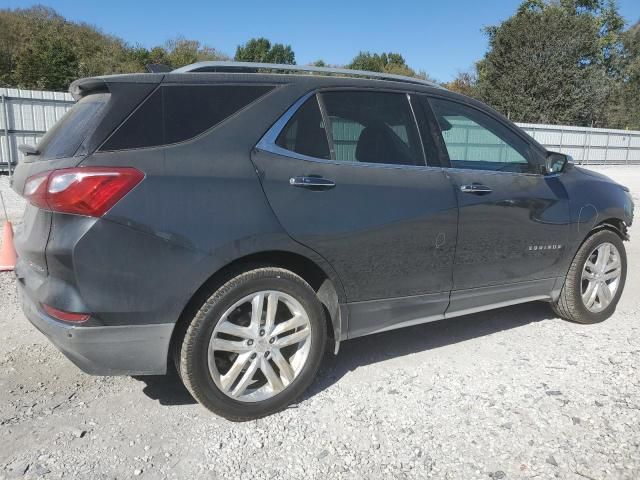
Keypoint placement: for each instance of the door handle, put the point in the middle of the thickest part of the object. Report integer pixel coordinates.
(312, 183)
(475, 188)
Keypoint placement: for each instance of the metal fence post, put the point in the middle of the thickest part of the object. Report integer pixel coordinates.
(626, 155)
(561, 138)
(5, 116)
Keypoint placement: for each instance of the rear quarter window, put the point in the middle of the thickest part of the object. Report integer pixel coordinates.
(176, 113)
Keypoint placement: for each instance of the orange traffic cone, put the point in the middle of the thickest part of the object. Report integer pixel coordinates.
(8, 252)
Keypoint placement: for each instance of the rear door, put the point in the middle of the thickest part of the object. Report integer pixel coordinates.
(513, 222)
(345, 173)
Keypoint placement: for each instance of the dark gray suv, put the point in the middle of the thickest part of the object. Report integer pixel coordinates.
(234, 219)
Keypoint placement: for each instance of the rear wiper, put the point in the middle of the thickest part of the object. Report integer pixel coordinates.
(28, 149)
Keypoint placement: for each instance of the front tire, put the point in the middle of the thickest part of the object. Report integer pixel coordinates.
(595, 280)
(255, 345)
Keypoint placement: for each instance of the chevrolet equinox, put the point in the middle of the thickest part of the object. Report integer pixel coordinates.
(235, 219)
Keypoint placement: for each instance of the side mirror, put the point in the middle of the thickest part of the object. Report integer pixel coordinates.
(557, 162)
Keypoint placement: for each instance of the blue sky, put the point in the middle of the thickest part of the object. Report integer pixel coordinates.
(439, 37)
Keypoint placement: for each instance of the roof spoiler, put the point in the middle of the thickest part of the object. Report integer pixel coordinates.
(105, 84)
(85, 86)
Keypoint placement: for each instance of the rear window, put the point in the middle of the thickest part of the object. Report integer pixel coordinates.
(66, 136)
(175, 114)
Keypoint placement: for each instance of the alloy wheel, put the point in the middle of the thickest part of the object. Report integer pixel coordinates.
(259, 346)
(601, 277)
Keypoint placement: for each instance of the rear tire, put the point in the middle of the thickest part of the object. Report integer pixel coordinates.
(579, 300)
(254, 346)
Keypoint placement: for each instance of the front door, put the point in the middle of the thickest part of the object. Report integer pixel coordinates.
(514, 221)
(346, 176)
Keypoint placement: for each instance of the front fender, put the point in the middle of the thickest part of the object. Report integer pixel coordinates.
(594, 199)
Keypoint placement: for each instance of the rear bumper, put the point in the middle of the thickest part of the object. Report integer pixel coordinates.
(105, 350)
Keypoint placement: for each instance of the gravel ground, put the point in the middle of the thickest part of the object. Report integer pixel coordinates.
(512, 393)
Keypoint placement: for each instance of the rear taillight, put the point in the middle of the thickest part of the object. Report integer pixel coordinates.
(90, 191)
(65, 316)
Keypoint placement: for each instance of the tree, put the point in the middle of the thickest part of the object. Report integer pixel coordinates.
(393, 63)
(46, 63)
(40, 49)
(181, 52)
(465, 83)
(624, 108)
(262, 51)
(553, 62)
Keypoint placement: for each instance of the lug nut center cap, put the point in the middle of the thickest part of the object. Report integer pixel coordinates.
(261, 346)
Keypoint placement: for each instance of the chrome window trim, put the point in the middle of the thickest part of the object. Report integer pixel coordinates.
(268, 141)
(492, 172)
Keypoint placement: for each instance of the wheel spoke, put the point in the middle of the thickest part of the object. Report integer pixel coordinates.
(604, 294)
(612, 275)
(588, 275)
(614, 265)
(229, 345)
(295, 337)
(590, 265)
(235, 330)
(603, 257)
(291, 324)
(272, 377)
(272, 307)
(589, 296)
(257, 304)
(246, 378)
(286, 371)
(229, 378)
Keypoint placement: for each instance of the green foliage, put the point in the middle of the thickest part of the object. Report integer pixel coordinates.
(262, 51)
(553, 62)
(180, 52)
(40, 49)
(46, 63)
(465, 83)
(624, 107)
(393, 63)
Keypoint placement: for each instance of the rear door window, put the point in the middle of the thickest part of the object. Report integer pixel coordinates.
(176, 113)
(373, 127)
(355, 126)
(66, 136)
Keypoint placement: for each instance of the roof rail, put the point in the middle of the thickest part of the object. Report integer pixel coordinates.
(250, 67)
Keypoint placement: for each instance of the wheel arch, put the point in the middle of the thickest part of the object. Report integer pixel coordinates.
(616, 225)
(325, 287)
(613, 224)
